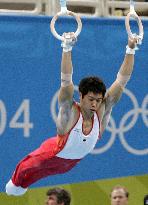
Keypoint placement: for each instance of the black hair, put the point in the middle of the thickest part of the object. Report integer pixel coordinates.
(92, 84)
(146, 199)
(63, 196)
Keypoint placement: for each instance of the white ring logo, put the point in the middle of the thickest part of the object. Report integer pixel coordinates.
(123, 128)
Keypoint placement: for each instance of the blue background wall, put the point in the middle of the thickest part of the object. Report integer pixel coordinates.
(30, 76)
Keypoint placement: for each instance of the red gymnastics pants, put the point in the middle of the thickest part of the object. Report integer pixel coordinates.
(41, 163)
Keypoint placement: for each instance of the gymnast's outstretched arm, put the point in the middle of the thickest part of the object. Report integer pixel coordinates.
(115, 91)
(65, 98)
(124, 73)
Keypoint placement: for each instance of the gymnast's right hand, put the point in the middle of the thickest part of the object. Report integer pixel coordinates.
(69, 41)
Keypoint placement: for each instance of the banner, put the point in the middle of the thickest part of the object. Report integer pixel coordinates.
(29, 82)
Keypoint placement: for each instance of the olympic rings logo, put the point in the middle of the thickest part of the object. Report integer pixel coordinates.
(123, 127)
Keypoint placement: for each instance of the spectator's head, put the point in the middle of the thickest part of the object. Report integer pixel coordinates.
(119, 195)
(58, 196)
(146, 199)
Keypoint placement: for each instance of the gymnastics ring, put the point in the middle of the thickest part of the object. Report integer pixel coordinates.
(52, 24)
(127, 25)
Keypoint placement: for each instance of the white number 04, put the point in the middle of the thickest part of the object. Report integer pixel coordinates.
(23, 110)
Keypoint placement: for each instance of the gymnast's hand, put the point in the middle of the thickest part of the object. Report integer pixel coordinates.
(69, 41)
(132, 43)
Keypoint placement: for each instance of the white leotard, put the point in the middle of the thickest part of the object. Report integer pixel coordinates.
(78, 144)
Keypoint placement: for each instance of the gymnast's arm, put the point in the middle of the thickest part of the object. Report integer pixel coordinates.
(115, 91)
(65, 97)
(124, 73)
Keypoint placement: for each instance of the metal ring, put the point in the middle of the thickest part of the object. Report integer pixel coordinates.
(127, 25)
(52, 24)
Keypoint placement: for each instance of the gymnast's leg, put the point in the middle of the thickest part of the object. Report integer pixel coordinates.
(34, 167)
(31, 168)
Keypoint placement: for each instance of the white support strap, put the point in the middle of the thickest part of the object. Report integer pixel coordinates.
(63, 3)
(131, 50)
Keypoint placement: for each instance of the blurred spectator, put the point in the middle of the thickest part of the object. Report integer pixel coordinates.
(119, 195)
(58, 196)
(146, 199)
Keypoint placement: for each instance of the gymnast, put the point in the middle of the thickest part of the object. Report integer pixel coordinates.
(79, 124)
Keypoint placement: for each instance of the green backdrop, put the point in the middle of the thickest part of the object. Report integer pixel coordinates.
(86, 193)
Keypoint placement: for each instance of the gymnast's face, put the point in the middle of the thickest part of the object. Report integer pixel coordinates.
(91, 101)
(52, 200)
(118, 197)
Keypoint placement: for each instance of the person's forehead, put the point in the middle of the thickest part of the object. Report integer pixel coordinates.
(52, 196)
(96, 95)
(118, 192)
